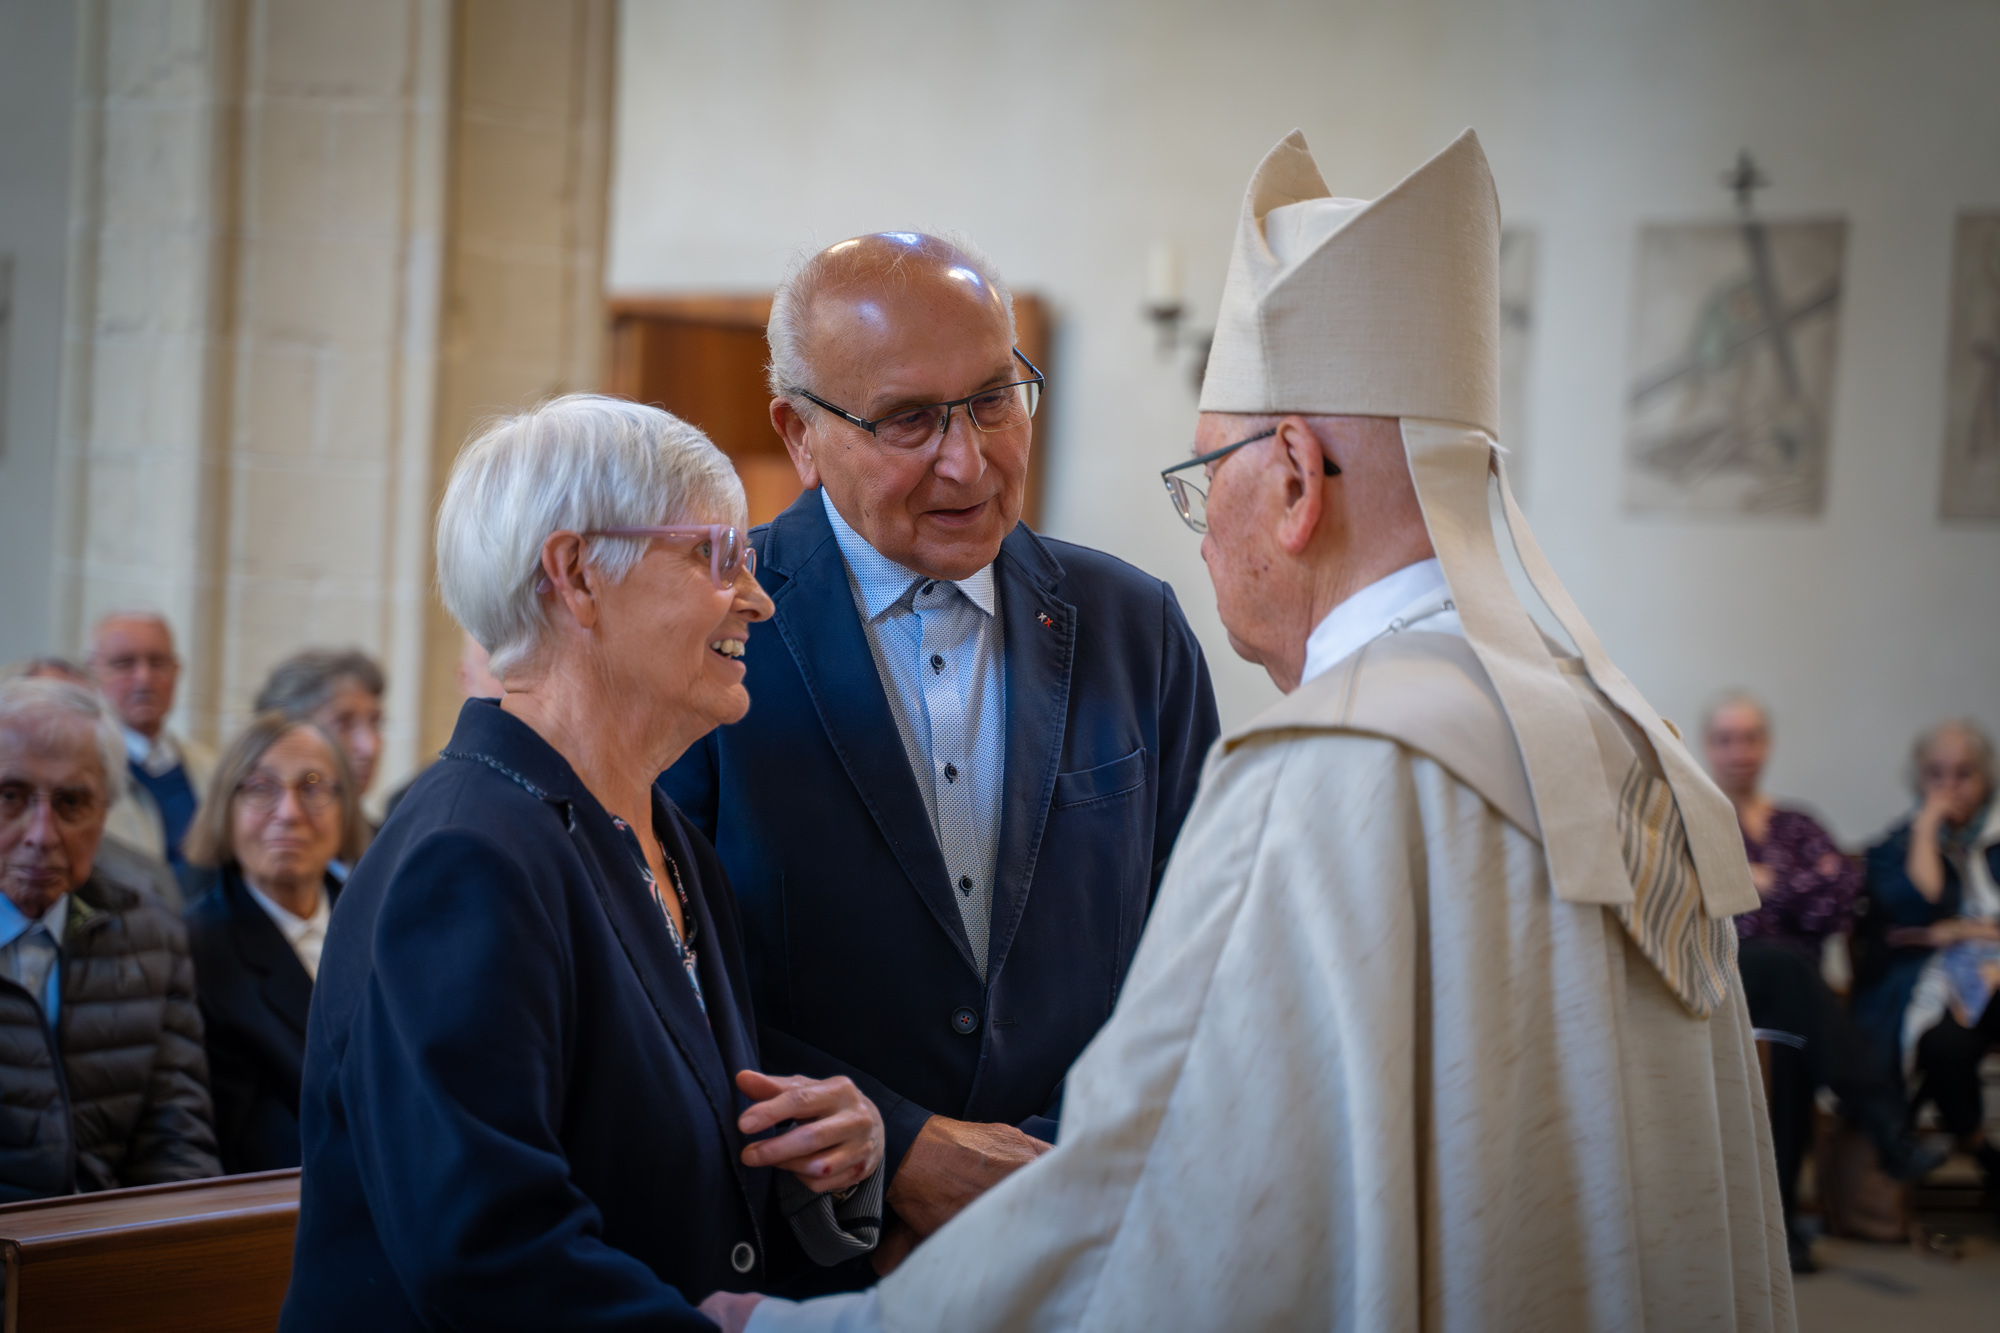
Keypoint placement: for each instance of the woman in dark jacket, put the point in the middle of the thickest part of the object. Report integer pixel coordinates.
(279, 808)
(531, 1097)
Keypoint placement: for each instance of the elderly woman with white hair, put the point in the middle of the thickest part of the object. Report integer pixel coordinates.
(531, 1095)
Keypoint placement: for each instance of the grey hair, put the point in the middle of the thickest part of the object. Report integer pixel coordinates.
(28, 704)
(811, 273)
(575, 463)
(1734, 699)
(1982, 753)
(47, 668)
(145, 613)
(301, 684)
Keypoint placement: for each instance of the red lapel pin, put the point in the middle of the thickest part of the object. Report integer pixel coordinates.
(1043, 616)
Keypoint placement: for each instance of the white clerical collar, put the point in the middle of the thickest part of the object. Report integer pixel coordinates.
(882, 582)
(156, 754)
(1399, 599)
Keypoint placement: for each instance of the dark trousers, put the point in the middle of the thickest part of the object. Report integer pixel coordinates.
(1786, 994)
(1948, 1059)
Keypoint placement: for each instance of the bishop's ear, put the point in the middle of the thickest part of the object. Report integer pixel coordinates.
(1305, 466)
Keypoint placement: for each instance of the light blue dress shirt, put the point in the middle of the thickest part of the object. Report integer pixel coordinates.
(936, 646)
(30, 951)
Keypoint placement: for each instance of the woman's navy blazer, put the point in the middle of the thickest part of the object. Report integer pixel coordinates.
(255, 996)
(515, 1114)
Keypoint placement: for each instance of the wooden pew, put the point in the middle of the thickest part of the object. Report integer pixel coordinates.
(210, 1255)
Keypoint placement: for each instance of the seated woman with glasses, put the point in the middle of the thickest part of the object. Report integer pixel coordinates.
(278, 810)
(532, 1093)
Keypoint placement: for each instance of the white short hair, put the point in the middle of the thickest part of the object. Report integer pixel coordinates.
(29, 705)
(576, 463)
(809, 272)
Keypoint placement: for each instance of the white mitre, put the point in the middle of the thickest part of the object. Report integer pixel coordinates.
(1391, 308)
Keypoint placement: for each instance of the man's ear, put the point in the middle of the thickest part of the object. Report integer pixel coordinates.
(1302, 460)
(572, 581)
(791, 428)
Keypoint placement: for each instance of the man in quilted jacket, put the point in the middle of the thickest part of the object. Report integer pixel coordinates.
(103, 1082)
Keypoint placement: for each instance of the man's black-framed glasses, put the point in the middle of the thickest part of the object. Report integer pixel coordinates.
(1002, 407)
(1191, 501)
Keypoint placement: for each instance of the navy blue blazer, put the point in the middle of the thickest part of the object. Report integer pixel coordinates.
(859, 961)
(254, 996)
(515, 1114)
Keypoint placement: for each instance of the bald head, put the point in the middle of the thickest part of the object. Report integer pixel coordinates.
(867, 267)
(894, 322)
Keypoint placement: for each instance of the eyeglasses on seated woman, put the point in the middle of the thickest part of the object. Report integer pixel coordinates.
(533, 1091)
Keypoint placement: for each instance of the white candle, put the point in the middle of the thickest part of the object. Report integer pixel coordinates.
(1163, 276)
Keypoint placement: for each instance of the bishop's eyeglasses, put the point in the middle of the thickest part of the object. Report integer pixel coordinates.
(1191, 501)
(909, 429)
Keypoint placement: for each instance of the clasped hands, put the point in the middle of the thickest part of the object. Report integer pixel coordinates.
(950, 1163)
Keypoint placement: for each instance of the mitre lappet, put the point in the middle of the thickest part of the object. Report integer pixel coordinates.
(1390, 307)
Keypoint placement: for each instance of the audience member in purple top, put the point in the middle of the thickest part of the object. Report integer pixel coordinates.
(1807, 886)
(1808, 890)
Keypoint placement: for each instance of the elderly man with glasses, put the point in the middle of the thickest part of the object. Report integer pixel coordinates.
(103, 1081)
(972, 747)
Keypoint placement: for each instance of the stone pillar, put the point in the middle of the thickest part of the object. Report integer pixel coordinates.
(524, 281)
(260, 379)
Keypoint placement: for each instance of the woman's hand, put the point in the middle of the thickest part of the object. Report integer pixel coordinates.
(836, 1142)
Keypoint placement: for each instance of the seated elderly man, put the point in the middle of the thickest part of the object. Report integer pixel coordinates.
(102, 1075)
(132, 655)
(1000, 734)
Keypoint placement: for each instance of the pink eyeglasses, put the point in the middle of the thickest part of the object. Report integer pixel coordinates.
(728, 554)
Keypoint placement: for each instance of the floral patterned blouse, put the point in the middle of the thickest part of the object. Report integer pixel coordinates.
(684, 947)
(1813, 886)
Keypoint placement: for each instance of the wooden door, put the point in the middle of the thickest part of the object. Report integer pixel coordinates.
(702, 358)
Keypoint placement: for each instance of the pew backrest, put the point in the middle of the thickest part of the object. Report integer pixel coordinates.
(212, 1255)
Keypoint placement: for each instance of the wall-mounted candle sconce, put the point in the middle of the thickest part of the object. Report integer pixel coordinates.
(1166, 308)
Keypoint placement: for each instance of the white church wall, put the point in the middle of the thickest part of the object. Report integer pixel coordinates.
(37, 58)
(1067, 139)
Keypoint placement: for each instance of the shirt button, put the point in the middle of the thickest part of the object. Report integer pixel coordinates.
(965, 884)
(743, 1258)
(951, 772)
(937, 661)
(964, 1022)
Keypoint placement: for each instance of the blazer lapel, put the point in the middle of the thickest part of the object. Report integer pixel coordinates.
(817, 618)
(285, 986)
(643, 935)
(1039, 647)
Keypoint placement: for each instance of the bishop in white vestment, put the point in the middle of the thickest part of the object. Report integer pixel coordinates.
(1436, 1023)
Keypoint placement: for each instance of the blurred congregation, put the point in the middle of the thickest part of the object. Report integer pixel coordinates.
(644, 764)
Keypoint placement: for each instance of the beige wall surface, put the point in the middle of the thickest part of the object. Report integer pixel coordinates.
(1066, 139)
(308, 245)
(37, 58)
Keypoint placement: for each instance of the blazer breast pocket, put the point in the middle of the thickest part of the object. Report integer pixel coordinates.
(1102, 783)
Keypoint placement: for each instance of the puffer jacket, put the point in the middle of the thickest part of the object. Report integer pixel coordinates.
(127, 1103)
